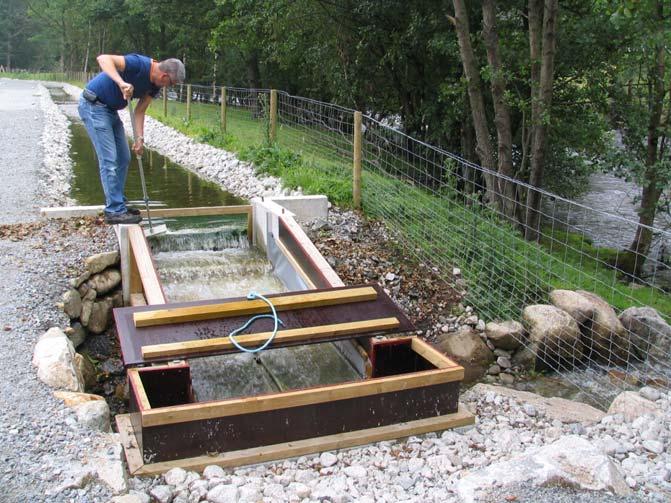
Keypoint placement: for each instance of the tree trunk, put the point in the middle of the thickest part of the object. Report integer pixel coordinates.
(88, 50)
(640, 247)
(474, 85)
(506, 188)
(8, 58)
(541, 117)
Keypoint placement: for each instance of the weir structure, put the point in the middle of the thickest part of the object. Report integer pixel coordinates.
(405, 386)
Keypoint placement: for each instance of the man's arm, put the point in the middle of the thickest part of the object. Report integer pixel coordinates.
(112, 65)
(140, 109)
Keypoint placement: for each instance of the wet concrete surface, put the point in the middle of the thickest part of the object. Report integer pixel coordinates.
(20, 150)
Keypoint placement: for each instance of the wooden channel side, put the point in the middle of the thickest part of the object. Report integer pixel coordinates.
(188, 348)
(431, 354)
(246, 307)
(136, 383)
(284, 450)
(199, 211)
(218, 409)
(151, 285)
(294, 263)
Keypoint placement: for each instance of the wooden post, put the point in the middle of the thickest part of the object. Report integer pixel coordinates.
(356, 172)
(188, 102)
(223, 109)
(126, 265)
(165, 102)
(273, 115)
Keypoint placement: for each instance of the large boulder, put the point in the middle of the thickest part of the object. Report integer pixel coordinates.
(105, 281)
(468, 349)
(508, 335)
(650, 334)
(580, 309)
(76, 333)
(72, 304)
(632, 406)
(92, 410)
(561, 409)
(54, 357)
(101, 261)
(101, 316)
(606, 340)
(87, 369)
(554, 337)
(571, 461)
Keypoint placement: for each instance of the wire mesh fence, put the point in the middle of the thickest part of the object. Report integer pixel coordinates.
(450, 213)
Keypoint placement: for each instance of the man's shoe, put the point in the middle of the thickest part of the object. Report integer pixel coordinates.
(122, 218)
(132, 211)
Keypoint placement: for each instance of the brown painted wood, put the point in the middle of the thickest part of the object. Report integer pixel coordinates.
(288, 424)
(248, 307)
(132, 339)
(188, 348)
(303, 397)
(287, 449)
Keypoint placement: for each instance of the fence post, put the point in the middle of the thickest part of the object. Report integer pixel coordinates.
(223, 108)
(165, 102)
(273, 115)
(356, 171)
(188, 102)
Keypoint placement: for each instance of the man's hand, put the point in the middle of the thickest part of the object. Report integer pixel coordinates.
(126, 90)
(138, 146)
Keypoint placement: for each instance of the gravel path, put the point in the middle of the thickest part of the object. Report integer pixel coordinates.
(20, 155)
(41, 444)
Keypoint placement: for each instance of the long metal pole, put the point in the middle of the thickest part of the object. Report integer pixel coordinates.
(139, 164)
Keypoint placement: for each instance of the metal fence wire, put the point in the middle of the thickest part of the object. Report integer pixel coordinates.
(436, 204)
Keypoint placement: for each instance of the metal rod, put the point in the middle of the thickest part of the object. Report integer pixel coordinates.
(139, 164)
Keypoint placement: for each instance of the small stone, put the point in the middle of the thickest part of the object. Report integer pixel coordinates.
(631, 482)
(223, 493)
(327, 459)
(650, 393)
(653, 446)
(415, 465)
(503, 362)
(175, 476)
(494, 370)
(456, 271)
(507, 379)
(213, 471)
(162, 494)
(529, 409)
(390, 276)
(356, 472)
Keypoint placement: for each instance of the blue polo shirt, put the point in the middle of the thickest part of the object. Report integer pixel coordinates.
(137, 72)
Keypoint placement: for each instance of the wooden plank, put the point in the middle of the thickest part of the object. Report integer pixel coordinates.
(250, 228)
(431, 354)
(209, 410)
(356, 164)
(151, 286)
(125, 262)
(312, 252)
(294, 263)
(187, 348)
(199, 211)
(72, 211)
(289, 449)
(245, 307)
(135, 381)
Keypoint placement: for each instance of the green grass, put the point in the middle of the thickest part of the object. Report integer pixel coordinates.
(502, 270)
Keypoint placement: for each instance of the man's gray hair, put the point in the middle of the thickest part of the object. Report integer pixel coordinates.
(175, 68)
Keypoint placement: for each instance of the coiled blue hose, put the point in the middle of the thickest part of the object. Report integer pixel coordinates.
(252, 296)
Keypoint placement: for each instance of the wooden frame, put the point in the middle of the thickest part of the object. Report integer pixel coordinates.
(309, 419)
(305, 334)
(143, 275)
(264, 454)
(245, 307)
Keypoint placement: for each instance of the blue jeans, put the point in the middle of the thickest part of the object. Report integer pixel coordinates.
(109, 140)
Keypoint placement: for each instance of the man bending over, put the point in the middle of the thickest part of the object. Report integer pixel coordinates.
(122, 78)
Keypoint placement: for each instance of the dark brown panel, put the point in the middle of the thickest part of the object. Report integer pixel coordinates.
(174, 441)
(395, 356)
(132, 339)
(167, 386)
(304, 260)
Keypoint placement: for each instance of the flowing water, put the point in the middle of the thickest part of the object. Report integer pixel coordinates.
(217, 263)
